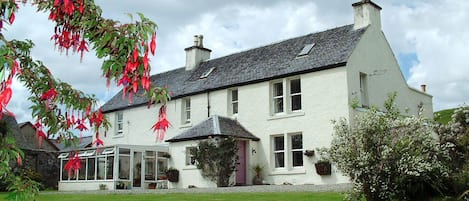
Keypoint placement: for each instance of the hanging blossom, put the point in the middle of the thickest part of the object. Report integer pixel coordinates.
(73, 164)
(5, 89)
(67, 35)
(39, 132)
(162, 124)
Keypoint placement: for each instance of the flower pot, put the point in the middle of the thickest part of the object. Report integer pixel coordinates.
(323, 168)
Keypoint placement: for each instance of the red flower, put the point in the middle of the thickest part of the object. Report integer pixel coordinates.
(162, 125)
(18, 160)
(73, 164)
(125, 80)
(81, 126)
(145, 61)
(153, 44)
(135, 53)
(82, 48)
(12, 18)
(98, 142)
(49, 94)
(39, 132)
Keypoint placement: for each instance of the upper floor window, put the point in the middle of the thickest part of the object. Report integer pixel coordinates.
(119, 123)
(233, 101)
(286, 93)
(186, 110)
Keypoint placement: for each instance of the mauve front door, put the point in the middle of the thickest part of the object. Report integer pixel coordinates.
(241, 166)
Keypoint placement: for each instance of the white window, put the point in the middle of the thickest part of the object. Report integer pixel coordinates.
(119, 123)
(286, 96)
(363, 90)
(287, 155)
(295, 95)
(277, 97)
(186, 110)
(233, 101)
(279, 151)
(296, 153)
(190, 160)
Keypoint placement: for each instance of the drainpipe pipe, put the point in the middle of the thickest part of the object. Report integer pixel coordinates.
(208, 104)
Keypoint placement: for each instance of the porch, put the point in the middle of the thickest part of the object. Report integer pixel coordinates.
(117, 167)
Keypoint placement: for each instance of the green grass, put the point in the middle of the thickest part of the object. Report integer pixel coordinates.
(444, 116)
(278, 196)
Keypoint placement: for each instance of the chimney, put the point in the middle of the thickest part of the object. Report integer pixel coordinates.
(424, 87)
(197, 53)
(367, 13)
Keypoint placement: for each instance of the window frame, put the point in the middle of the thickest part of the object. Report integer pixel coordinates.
(287, 151)
(292, 150)
(186, 111)
(233, 102)
(119, 119)
(188, 157)
(275, 152)
(286, 97)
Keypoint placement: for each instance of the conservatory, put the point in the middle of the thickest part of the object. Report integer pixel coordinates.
(117, 167)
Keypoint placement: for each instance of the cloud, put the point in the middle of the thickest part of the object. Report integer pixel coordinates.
(433, 31)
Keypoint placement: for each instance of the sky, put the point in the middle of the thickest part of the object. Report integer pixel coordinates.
(430, 38)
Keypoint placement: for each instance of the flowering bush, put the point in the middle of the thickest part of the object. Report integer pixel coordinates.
(387, 155)
(455, 137)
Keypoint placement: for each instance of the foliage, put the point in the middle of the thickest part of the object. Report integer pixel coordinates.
(324, 156)
(57, 107)
(455, 137)
(20, 186)
(443, 116)
(388, 155)
(217, 158)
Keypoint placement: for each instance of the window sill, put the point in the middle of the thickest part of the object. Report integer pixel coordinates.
(186, 125)
(118, 136)
(190, 167)
(288, 172)
(286, 115)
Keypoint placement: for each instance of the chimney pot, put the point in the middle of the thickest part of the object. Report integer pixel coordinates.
(424, 87)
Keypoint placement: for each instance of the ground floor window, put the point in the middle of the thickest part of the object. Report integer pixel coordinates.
(290, 154)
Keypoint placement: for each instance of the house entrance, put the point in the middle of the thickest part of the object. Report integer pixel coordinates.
(241, 166)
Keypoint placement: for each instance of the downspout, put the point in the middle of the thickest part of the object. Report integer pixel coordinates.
(208, 104)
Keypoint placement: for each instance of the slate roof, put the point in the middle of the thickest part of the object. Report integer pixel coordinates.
(86, 141)
(332, 49)
(212, 127)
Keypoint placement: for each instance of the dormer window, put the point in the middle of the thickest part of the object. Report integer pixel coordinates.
(306, 49)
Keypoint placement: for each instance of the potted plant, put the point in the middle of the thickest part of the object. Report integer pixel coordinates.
(166, 155)
(257, 179)
(102, 186)
(309, 153)
(172, 174)
(323, 165)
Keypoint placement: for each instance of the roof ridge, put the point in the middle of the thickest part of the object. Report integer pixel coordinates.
(277, 42)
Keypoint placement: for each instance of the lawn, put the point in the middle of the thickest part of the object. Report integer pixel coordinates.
(296, 196)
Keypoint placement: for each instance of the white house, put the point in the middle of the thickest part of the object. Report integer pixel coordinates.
(278, 100)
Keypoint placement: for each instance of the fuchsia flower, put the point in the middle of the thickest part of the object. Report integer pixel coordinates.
(73, 164)
(39, 132)
(162, 125)
(82, 48)
(153, 44)
(49, 94)
(12, 18)
(18, 160)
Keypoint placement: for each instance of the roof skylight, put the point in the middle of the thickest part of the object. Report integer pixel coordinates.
(306, 49)
(206, 74)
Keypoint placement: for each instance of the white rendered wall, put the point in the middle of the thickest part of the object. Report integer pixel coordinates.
(374, 57)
